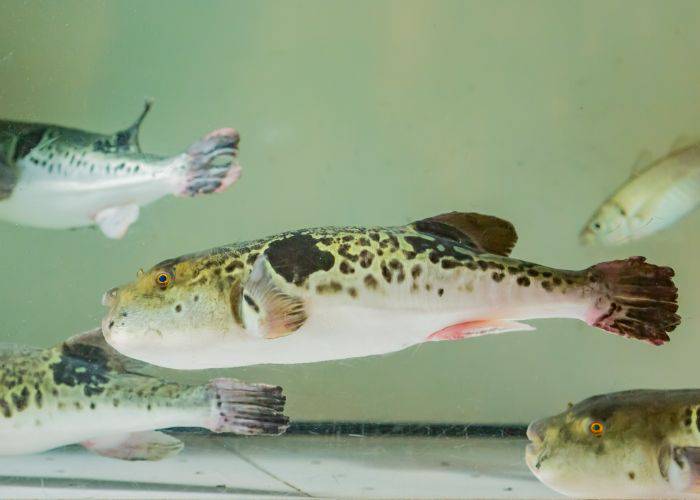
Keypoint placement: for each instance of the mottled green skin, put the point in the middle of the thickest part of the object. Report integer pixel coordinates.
(56, 149)
(372, 259)
(644, 431)
(76, 378)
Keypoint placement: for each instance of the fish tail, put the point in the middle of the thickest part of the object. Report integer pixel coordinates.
(202, 175)
(636, 299)
(247, 409)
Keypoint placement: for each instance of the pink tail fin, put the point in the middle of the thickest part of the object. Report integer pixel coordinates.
(637, 300)
(203, 175)
(247, 409)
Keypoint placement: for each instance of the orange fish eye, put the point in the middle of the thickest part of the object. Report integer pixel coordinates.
(163, 280)
(597, 428)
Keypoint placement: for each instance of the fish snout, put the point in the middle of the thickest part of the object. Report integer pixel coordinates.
(535, 431)
(109, 298)
(586, 237)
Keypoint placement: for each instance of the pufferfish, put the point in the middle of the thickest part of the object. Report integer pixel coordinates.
(82, 391)
(334, 293)
(60, 178)
(631, 444)
(658, 194)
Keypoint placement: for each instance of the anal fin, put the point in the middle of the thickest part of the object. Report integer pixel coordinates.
(265, 309)
(115, 221)
(477, 328)
(149, 445)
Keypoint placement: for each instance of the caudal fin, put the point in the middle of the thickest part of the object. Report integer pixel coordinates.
(637, 300)
(202, 175)
(247, 409)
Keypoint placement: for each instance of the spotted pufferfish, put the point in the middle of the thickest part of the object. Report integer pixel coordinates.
(61, 178)
(629, 444)
(82, 391)
(333, 293)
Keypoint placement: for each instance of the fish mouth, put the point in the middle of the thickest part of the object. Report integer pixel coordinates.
(109, 298)
(586, 237)
(534, 455)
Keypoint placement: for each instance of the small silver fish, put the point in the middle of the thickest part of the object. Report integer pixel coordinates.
(632, 444)
(657, 195)
(335, 293)
(82, 391)
(61, 178)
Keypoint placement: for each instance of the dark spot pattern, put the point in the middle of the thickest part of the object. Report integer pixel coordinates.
(416, 271)
(81, 365)
(523, 281)
(366, 258)
(332, 287)
(5, 408)
(371, 282)
(297, 256)
(346, 268)
(21, 400)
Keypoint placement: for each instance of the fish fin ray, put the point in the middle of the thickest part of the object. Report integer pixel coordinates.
(8, 179)
(680, 466)
(204, 172)
(246, 409)
(643, 162)
(114, 222)
(92, 343)
(148, 445)
(636, 300)
(682, 142)
(484, 233)
(267, 310)
(128, 139)
(478, 328)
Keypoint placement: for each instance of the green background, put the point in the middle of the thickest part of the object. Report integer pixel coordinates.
(372, 113)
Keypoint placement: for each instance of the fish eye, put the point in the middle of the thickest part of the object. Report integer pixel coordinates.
(596, 226)
(596, 428)
(163, 280)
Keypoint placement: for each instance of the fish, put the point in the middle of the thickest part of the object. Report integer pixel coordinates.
(334, 293)
(55, 177)
(82, 391)
(658, 194)
(630, 444)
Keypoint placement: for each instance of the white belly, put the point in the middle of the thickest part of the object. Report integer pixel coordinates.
(51, 201)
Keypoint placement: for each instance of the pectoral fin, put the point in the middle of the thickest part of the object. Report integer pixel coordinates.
(680, 466)
(470, 329)
(8, 178)
(150, 445)
(265, 309)
(115, 221)
(92, 347)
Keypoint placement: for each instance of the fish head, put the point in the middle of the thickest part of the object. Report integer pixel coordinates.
(169, 315)
(600, 448)
(609, 225)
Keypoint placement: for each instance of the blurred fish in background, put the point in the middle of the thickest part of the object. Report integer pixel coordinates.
(61, 178)
(659, 193)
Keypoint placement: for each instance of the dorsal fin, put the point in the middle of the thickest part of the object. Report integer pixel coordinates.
(484, 233)
(643, 161)
(128, 139)
(682, 142)
(92, 346)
